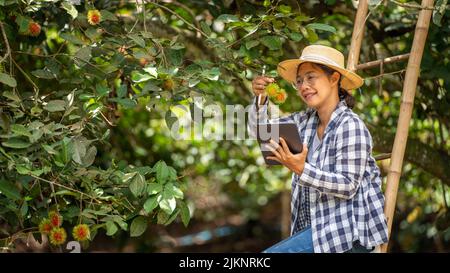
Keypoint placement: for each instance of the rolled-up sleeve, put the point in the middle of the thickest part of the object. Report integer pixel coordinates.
(353, 148)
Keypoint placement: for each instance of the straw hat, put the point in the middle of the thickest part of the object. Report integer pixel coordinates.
(321, 55)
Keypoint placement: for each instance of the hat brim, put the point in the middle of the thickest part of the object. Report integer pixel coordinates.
(288, 71)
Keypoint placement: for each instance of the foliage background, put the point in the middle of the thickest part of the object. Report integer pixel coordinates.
(85, 108)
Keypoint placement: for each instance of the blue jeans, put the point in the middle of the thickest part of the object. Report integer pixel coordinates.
(301, 242)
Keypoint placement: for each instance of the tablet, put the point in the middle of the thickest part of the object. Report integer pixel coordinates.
(287, 130)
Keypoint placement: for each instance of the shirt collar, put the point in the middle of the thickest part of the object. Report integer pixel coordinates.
(314, 118)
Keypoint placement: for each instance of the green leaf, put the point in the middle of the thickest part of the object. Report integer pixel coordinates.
(144, 170)
(150, 204)
(9, 189)
(74, 194)
(89, 157)
(278, 24)
(172, 174)
(122, 91)
(122, 224)
(175, 56)
(70, 9)
(16, 143)
(128, 176)
(83, 56)
(23, 23)
(227, 18)
(150, 86)
(20, 130)
(111, 228)
(138, 226)
(324, 27)
(312, 35)
(303, 18)
(205, 27)
(185, 214)
(170, 119)
(49, 149)
(106, 15)
(193, 82)
(137, 185)
(24, 209)
(162, 217)
(37, 134)
(251, 43)
(284, 9)
(71, 38)
(43, 74)
(272, 42)
(102, 90)
(172, 217)
(295, 36)
(22, 169)
(138, 77)
(212, 74)
(8, 80)
(168, 205)
(309, 33)
(153, 71)
(292, 25)
(126, 102)
(94, 34)
(161, 171)
(66, 150)
(12, 96)
(173, 190)
(374, 2)
(55, 106)
(137, 39)
(79, 149)
(439, 12)
(154, 188)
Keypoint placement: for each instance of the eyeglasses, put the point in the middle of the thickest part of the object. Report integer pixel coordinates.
(309, 80)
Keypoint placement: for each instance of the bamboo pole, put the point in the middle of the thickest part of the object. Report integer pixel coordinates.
(384, 61)
(357, 35)
(406, 107)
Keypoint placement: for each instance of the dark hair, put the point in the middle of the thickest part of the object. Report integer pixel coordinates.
(342, 93)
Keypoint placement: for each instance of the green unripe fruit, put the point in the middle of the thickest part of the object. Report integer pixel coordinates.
(276, 94)
(280, 97)
(272, 89)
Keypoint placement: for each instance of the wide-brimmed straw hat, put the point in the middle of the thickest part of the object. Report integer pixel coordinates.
(321, 55)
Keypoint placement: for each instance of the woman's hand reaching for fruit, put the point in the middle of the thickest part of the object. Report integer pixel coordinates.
(259, 85)
(266, 86)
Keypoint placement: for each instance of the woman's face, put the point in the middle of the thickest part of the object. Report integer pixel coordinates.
(315, 87)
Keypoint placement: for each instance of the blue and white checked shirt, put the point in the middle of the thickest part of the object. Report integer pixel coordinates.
(302, 220)
(344, 182)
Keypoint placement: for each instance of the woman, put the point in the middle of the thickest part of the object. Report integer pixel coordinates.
(337, 202)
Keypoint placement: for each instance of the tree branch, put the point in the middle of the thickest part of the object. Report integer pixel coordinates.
(181, 18)
(412, 6)
(8, 49)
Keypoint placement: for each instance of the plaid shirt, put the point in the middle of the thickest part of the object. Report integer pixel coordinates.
(303, 219)
(344, 181)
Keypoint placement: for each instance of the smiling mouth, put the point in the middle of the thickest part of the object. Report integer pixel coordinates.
(309, 96)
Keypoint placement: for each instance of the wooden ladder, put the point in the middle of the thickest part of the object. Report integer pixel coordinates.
(407, 101)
